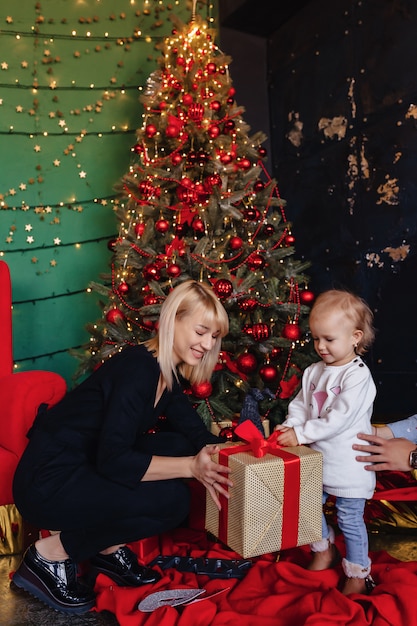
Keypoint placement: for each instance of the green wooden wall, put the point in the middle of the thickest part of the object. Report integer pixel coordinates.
(71, 74)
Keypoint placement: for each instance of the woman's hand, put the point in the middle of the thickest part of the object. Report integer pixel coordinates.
(385, 454)
(287, 436)
(213, 475)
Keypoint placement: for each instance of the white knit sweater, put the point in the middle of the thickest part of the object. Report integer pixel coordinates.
(333, 405)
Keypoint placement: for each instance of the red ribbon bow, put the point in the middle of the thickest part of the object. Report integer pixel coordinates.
(260, 446)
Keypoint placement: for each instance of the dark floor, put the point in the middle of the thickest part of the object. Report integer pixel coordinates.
(19, 609)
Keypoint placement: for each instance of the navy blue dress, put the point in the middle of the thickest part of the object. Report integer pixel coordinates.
(82, 468)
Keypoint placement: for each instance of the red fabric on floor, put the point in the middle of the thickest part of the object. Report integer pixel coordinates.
(272, 593)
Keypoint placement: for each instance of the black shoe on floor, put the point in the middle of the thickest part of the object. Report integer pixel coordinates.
(122, 566)
(53, 582)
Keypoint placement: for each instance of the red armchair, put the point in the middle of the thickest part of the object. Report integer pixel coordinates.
(21, 394)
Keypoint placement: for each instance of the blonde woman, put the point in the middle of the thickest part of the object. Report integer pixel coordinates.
(93, 469)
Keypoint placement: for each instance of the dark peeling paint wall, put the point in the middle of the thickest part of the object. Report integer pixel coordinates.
(343, 100)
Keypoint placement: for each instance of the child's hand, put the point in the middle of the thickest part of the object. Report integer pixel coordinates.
(287, 436)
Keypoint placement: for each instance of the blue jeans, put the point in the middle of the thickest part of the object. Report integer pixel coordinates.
(351, 523)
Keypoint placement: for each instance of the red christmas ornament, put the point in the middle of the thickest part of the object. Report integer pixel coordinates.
(226, 158)
(187, 99)
(138, 148)
(189, 196)
(223, 288)
(275, 353)
(260, 331)
(214, 180)
(192, 157)
(232, 91)
(146, 188)
(148, 324)
(173, 270)
(228, 126)
(162, 226)
(291, 331)
(180, 229)
(262, 152)
(202, 157)
(213, 131)
(202, 390)
(235, 243)
(251, 214)
(198, 225)
(244, 164)
(306, 296)
(227, 433)
(113, 315)
(180, 61)
(140, 229)
(172, 130)
(268, 373)
(249, 304)
(150, 300)
(230, 101)
(196, 112)
(211, 68)
(187, 182)
(215, 105)
(258, 186)
(123, 288)
(201, 192)
(176, 159)
(151, 272)
(290, 240)
(268, 230)
(246, 362)
(111, 244)
(151, 130)
(255, 262)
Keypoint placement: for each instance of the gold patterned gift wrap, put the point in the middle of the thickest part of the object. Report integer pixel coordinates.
(276, 500)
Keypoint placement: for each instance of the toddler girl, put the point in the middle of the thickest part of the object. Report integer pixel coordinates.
(334, 403)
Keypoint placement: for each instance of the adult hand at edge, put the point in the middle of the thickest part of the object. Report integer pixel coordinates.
(385, 454)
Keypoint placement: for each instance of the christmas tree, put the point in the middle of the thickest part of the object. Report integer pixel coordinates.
(198, 203)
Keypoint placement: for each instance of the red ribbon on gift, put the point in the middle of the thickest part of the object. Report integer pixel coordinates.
(259, 447)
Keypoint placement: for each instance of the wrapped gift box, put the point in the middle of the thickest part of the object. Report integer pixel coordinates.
(276, 500)
(216, 427)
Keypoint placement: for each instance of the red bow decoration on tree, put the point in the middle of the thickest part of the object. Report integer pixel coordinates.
(288, 387)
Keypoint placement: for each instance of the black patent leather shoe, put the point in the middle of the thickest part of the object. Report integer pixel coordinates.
(122, 566)
(53, 582)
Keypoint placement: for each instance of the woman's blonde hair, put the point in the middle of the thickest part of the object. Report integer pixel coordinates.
(355, 309)
(183, 300)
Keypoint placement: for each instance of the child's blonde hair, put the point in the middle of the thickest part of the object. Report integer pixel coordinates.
(355, 309)
(183, 300)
